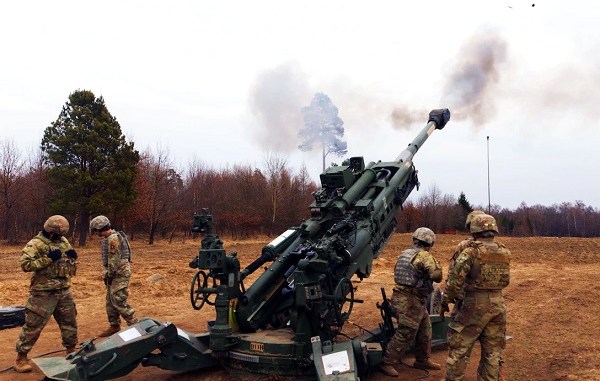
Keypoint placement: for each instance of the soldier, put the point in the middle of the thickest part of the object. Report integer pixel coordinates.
(116, 258)
(416, 270)
(52, 260)
(459, 248)
(482, 269)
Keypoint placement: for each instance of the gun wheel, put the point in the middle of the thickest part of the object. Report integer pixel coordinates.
(198, 294)
(344, 292)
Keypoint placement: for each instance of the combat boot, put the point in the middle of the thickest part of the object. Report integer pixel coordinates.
(388, 369)
(22, 363)
(427, 364)
(70, 349)
(110, 331)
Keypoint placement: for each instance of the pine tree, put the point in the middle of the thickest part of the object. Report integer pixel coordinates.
(464, 208)
(91, 165)
(323, 125)
(464, 203)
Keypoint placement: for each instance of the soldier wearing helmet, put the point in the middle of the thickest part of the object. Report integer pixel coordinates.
(116, 258)
(416, 270)
(52, 261)
(480, 271)
(459, 248)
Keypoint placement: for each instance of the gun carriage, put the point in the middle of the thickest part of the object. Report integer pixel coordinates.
(287, 322)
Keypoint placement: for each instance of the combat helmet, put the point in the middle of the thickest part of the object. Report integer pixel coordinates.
(56, 224)
(99, 223)
(483, 223)
(425, 235)
(470, 218)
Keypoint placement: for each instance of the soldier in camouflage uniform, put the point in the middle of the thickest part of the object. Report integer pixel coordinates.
(459, 248)
(482, 270)
(116, 258)
(416, 270)
(52, 260)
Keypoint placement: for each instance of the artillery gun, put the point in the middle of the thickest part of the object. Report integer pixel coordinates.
(286, 323)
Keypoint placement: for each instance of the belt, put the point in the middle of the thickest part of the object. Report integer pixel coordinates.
(484, 292)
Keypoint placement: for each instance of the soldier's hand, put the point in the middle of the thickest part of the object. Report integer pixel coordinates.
(443, 309)
(71, 254)
(54, 254)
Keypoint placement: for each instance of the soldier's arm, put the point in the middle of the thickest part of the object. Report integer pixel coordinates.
(68, 244)
(114, 256)
(33, 258)
(431, 266)
(509, 256)
(458, 274)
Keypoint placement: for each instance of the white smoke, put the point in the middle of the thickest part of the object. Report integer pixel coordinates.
(277, 99)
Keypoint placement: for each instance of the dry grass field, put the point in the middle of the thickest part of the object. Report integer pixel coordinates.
(553, 302)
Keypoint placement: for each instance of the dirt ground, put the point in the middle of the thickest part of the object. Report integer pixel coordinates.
(553, 304)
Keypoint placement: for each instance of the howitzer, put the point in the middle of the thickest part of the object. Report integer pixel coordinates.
(288, 320)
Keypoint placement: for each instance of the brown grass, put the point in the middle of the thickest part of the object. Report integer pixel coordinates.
(553, 303)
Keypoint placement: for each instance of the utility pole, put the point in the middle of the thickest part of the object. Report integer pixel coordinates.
(488, 175)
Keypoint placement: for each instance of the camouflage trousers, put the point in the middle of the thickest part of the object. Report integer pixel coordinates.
(482, 317)
(40, 306)
(116, 302)
(413, 326)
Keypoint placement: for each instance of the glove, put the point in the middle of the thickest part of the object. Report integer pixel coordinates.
(54, 254)
(71, 254)
(443, 309)
(107, 280)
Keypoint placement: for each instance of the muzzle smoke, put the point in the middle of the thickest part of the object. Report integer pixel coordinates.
(276, 100)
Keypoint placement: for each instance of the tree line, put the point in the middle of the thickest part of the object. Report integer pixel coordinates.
(245, 201)
(85, 166)
(446, 213)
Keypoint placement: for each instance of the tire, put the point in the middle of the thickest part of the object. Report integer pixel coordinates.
(12, 316)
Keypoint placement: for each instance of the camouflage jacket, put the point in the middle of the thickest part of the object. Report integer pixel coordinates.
(117, 263)
(47, 274)
(430, 267)
(460, 274)
(459, 249)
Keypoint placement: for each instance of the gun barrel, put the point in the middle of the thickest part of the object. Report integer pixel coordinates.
(437, 121)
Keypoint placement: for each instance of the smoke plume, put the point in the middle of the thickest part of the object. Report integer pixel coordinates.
(403, 117)
(470, 91)
(276, 100)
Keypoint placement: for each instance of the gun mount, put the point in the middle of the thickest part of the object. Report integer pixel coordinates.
(287, 321)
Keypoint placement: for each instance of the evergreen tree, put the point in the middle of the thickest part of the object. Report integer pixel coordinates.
(464, 208)
(323, 125)
(91, 165)
(464, 204)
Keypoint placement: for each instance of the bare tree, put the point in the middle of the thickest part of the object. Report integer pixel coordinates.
(11, 184)
(160, 187)
(429, 203)
(274, 163)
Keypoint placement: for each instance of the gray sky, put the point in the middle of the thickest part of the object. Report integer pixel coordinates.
(223, 83)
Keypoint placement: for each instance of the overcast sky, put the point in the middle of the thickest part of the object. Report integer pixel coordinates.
(223, 82)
